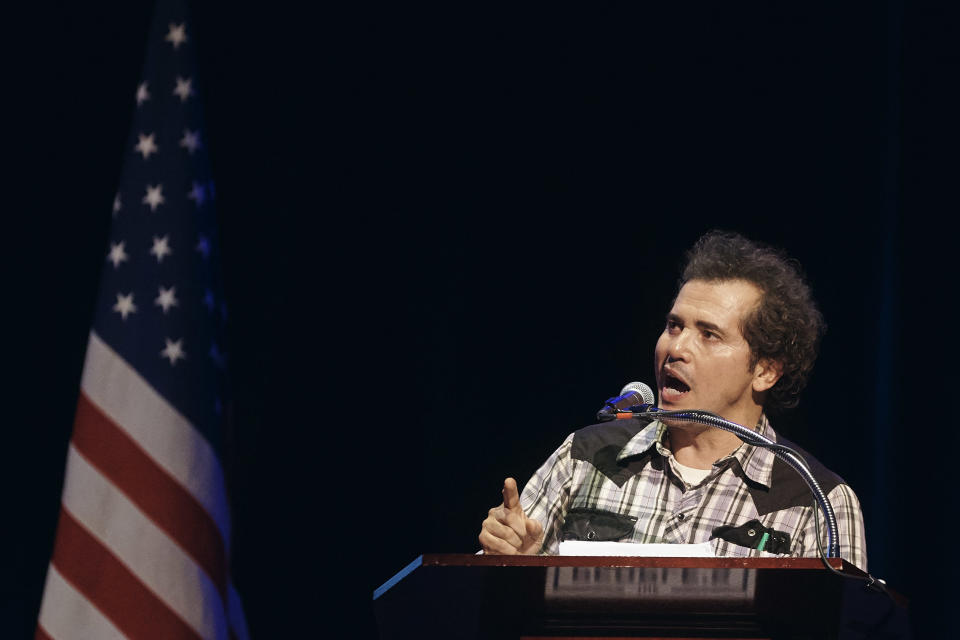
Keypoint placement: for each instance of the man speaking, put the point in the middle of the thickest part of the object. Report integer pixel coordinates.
(741, 338)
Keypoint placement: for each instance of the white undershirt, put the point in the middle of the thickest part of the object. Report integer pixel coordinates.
(691, 476)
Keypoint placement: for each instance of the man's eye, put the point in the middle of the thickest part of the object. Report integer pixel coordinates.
(673, 325)
(710, 335)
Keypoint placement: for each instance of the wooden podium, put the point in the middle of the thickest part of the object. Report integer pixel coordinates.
(527, 597)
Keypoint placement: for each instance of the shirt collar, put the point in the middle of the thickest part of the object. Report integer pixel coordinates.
(644, 439)
(756, 462)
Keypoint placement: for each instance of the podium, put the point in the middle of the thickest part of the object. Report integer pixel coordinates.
(546, 597)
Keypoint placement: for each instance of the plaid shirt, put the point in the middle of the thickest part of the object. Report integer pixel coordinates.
(617, 481)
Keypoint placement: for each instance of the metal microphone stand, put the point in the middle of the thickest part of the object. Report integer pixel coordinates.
(788, 455)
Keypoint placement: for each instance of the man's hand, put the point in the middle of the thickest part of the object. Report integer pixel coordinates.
(507, 529)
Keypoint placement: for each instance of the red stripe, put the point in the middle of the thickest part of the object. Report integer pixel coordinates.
(107, 583)
(158, 494)
(41, 634)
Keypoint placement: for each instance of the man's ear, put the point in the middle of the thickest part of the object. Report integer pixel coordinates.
(766, 373)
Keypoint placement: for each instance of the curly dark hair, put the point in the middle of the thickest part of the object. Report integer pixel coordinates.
(785, 326)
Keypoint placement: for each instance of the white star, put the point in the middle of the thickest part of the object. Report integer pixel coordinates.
(190, 141)
(125, 305)
(177, 34)
(203, 246)
(154, 197)
(161, 247)
(146, 145)
(117, 254)
(183, 89)
(167, 299)
(197, 194)
(117, 205)
(142, 94)
(219, 359)
(208, 300)
(174, 351)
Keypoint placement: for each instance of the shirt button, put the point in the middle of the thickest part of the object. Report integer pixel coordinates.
(680, 517)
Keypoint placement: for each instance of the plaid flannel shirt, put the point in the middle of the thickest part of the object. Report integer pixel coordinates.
(617, 481)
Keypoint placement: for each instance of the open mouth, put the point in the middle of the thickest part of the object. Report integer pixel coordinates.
(673, 385)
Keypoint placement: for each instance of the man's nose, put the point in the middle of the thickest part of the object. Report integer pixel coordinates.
(678, 349)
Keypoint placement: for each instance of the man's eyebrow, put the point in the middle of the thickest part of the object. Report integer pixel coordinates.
(700, 324)
(709, 326)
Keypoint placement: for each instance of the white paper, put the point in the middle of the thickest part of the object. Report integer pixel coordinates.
(583, 548)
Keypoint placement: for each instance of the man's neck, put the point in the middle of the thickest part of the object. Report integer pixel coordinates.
(701, 447)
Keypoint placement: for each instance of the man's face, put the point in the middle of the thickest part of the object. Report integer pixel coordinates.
(702, 360)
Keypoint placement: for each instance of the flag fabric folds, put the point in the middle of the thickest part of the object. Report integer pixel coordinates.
(143, 538)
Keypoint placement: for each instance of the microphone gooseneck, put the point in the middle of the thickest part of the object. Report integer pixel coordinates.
(615, 409)
(787, 454)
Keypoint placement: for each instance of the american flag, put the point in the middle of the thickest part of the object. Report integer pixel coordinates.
(143, 538)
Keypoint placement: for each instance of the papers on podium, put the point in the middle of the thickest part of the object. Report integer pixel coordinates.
(584, 548)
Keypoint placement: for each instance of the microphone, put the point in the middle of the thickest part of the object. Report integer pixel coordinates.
(635, 393)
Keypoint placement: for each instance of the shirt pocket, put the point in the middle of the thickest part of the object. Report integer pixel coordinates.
(596, 525)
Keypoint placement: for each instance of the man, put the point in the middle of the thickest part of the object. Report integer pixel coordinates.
(741, 337)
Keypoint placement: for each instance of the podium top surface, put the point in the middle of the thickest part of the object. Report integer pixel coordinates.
(471, 560)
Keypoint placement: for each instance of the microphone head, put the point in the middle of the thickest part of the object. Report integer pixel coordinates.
(643, 390)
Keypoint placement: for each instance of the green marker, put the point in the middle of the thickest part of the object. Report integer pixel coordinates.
(763, 542)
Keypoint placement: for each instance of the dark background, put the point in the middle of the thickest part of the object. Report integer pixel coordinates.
(451, 230)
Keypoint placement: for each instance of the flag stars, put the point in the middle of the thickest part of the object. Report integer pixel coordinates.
(154, 196)
(117, 254)
(167, 299)
(173, 351)
(183, 88)
(146, 145)
(117, 205)
(142, 93)
(161, 247)
(198, 194)
(177, 34)
(190, 141)
(124, 305)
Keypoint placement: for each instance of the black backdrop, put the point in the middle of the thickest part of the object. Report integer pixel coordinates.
(450, 230)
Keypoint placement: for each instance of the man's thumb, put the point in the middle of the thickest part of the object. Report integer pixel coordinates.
(511, 498)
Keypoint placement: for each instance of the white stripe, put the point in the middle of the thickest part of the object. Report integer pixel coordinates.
(65, 613)
(235, 613)
(162, 565)
(168, 437)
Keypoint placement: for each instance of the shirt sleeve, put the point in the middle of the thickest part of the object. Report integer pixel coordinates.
(853, 544)
(547, 494)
